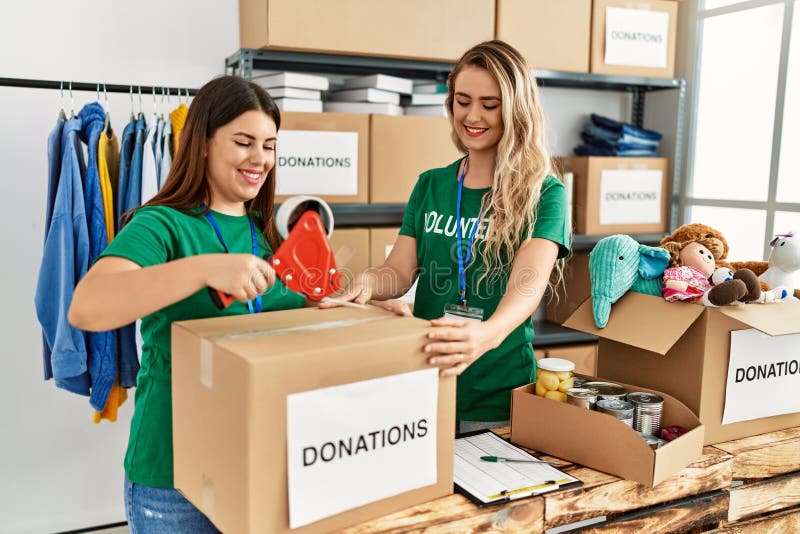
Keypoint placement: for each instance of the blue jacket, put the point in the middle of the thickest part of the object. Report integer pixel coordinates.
(126, 336)
(53, 171)
(133, 197)
(64, 262)
(125, 156)
(102, 359)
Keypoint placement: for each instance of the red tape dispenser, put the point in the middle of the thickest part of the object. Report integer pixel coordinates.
(305, 260)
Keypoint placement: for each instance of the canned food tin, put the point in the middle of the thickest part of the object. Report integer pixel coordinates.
(622, 410)
(652, 441)
(607, 390)
(647, 409)
(583, 397)
(578, 382)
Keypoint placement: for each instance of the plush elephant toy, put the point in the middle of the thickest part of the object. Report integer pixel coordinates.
(619, 264)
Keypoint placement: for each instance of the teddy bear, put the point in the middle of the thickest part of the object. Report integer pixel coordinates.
(693, 276)
(716, 243)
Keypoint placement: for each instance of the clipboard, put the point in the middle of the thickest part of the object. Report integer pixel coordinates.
(489, 483)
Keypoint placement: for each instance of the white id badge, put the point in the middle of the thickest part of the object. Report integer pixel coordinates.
(458, 312)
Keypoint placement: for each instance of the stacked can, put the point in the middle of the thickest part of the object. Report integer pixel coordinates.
(607, 390)
(622, 410)
(647, 409)
(583, 397)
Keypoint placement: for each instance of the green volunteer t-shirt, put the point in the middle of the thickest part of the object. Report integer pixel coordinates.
(157, 235)
(483, 390)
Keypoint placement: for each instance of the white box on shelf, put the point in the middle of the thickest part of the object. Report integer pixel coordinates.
(365, 95)
(294, 92)
(427, 111)
(374, 108)
(381, 81)
(293, 79)
(298, 104)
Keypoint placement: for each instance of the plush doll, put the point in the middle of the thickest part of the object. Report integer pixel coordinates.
(716, 243)
(618, 264)
(783, 263)
(691, 272)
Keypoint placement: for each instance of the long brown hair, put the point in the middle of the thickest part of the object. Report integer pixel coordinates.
(216, 104)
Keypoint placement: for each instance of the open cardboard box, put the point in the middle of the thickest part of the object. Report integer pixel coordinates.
(233, 381)
(601, 441)
(684, 350)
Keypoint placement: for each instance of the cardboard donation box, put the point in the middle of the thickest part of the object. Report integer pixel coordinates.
(323, 154)
(411, 29)
(602, 442)
(308, 420)
(583, 355)
(736, 367)
(393, 173)
(619, 195)
(534, 26)
(634, 38)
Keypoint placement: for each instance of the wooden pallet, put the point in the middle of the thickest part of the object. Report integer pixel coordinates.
(751, 485)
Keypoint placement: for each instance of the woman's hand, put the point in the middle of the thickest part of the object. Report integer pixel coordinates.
(244, 276)
(396, 306)
(454, 344)
(359, 291)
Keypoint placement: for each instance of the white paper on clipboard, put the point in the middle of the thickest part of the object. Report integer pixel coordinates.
(489, 482)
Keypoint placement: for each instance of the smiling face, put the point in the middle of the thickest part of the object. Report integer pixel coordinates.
(477, 114)
(240, 155)
(696, 255)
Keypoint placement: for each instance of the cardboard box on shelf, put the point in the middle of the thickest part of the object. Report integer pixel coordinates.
(351, 250)
(412, 29)
(600, 441)
(730, 363)
(323, 154)
(634, 38)
(619, 195)
(534, 26)
(381, 241)
(401, 148)
(577, 287)
(583, 355)
(273, 412)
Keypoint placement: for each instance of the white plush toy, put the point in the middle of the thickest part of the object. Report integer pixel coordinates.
(784, 262)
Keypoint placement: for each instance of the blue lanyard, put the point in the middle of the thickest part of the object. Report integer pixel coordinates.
(462, 271)
(255, 251)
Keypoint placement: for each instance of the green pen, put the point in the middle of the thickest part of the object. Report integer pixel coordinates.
(501, 459)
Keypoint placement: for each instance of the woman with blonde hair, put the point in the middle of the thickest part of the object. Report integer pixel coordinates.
(482, 237)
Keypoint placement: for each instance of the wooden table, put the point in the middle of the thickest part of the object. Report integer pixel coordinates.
(747, 485)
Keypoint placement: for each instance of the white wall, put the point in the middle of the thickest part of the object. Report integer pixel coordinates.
(58, 470)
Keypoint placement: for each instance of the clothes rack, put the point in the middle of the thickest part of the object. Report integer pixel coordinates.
(83, 86)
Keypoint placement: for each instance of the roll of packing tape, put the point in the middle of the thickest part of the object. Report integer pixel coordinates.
(291, 210)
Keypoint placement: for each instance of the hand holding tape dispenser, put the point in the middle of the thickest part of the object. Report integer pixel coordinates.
(305, 260)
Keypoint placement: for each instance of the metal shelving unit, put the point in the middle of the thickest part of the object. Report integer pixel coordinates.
(246, 61)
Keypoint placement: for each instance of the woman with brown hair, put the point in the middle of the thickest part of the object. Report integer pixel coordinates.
(209, 226)
(481, 236)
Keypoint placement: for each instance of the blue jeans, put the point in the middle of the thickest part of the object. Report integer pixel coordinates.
(162, 511)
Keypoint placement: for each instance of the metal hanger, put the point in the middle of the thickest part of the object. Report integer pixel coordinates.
(71, 102)
(61, 114)
(141, 110)
(107, 107)
(133, 117)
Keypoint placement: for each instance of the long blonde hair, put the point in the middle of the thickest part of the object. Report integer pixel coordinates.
(523, 161)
